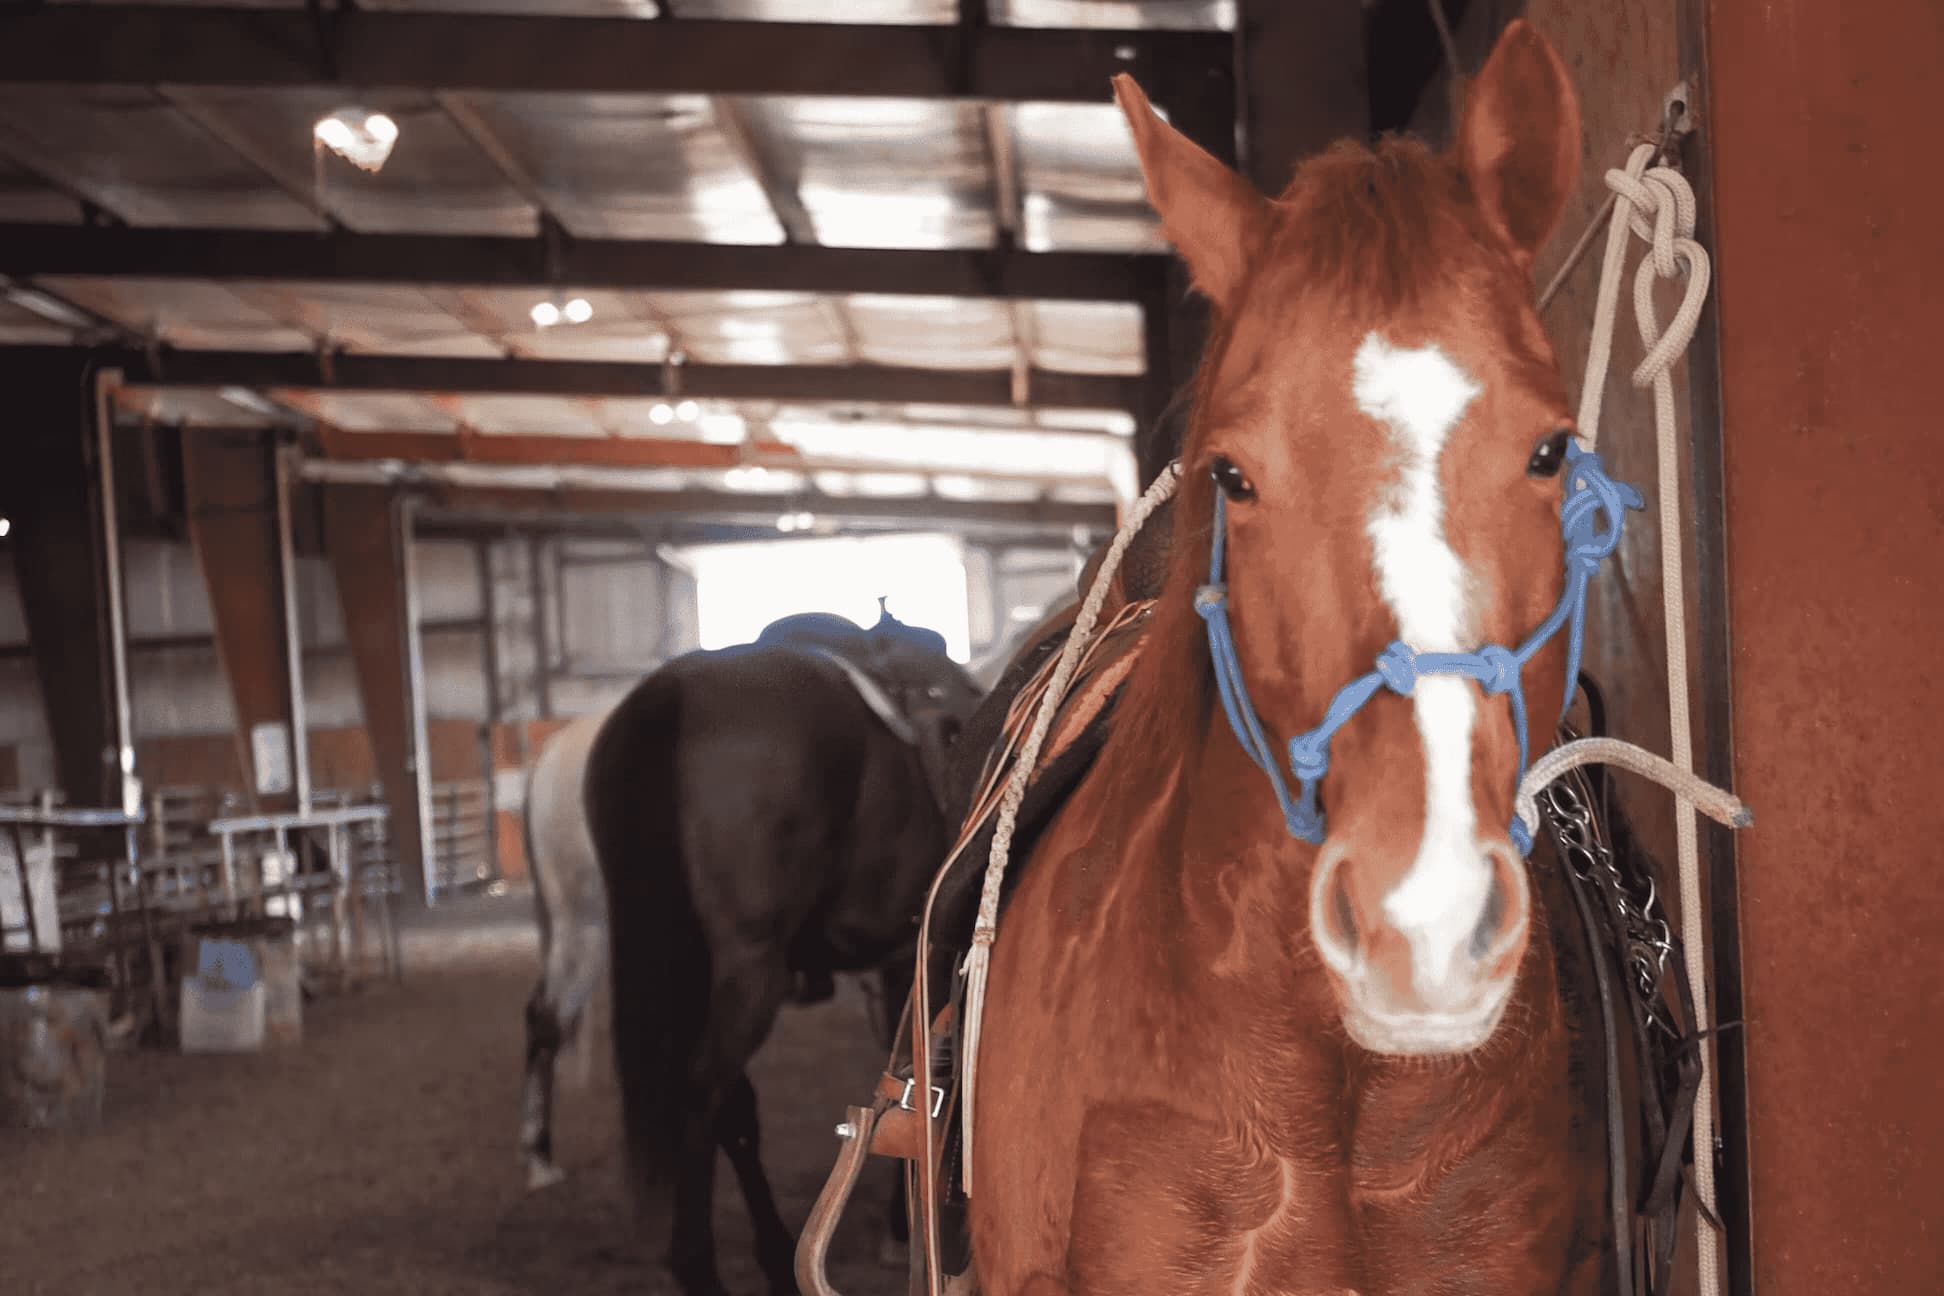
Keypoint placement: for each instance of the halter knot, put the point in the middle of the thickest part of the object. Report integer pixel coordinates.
(1503, 664)
(1398, 665)
(1592, 497)
(1309, 755)
(1209, 599)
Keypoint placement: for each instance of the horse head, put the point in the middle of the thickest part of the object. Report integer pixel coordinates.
(1377, 441)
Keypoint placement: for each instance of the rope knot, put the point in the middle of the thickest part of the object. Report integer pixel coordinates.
(1504, 667)
(1309, 755)
(1209, 599)
(1398, 665)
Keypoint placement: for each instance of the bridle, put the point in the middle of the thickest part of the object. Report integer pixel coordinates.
(1589, 522)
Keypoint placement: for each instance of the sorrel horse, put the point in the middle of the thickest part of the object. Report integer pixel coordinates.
(1218, 1057)
(762, 816)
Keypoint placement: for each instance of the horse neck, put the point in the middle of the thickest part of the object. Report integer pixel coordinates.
(1208, 869)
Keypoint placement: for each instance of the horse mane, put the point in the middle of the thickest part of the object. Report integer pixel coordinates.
(1375, 228)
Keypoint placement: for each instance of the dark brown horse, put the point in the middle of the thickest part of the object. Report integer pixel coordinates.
(1218, 1058)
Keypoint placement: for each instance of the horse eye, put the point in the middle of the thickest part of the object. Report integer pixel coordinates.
(1231, 479)
(1549, 456)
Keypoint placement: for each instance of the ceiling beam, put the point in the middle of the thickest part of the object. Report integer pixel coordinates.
(568, 489)
(341, 371)
(616, 264)
(154, 45)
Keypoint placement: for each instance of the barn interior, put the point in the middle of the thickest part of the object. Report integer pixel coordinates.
(387, 383)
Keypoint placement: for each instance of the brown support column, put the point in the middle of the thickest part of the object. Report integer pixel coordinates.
(230, 491)
(1822, 121)
(1303, 83)
(47, 494)
(1201, 103)
(1296, 85)
(364, 538)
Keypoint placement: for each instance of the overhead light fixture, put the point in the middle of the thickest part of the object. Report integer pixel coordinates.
(661, 414)
(6, 526)
(546, 314)
(364, 139)
(51, 309)
(687, 411)
(799, 521)
(245, 399)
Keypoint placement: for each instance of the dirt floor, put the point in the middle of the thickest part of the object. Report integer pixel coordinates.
(380, 1155)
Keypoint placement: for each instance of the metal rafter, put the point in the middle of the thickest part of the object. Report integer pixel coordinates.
(305, 192)
(345, 371)
(623, 265)
(153, 45)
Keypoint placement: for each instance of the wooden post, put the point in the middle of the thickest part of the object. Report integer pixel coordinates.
(230, 490)
(364, 540)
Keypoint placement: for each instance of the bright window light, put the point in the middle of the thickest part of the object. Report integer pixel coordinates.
(740, 588)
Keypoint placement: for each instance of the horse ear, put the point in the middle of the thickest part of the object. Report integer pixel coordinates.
(1214, 218)
(1519, 140)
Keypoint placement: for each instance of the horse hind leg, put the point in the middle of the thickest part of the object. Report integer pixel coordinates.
(556, 1016)
(543, 1038)
(691, 1252)
(739, 1132)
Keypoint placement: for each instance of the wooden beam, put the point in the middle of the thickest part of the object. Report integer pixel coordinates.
(482, 261)
(231, 498)
(147, 45)
(367, 553)
(612, 452)
(879, 384)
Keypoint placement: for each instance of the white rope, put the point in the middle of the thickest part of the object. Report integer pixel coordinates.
(1657, 204)
(978, 964)
(1721, 806)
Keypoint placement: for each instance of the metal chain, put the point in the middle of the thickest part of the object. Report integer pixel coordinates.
(1568, 808)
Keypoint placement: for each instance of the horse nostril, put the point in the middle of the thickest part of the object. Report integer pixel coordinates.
(1346, 912)
(1489, 919)
(1502, 917)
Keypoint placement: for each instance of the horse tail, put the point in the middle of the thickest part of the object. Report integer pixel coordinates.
(658, 956)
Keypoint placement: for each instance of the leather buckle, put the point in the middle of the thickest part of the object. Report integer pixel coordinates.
(937, 1098)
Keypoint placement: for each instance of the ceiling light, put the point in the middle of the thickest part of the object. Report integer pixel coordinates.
(578, 311)
(364, 139)
(799, 521)
(687, 411)
(5, 526)
(545, 314)
(245, 399)
(52, 309)
(660, 414)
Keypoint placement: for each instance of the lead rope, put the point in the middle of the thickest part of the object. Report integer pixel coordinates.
(1657, 204)
(978, 964)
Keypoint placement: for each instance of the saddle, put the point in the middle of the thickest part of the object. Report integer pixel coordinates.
(913, 1119)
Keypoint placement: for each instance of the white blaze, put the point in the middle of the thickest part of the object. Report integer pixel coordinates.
(1419, 396)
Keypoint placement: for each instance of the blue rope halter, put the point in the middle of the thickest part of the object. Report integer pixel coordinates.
(1589, 523)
